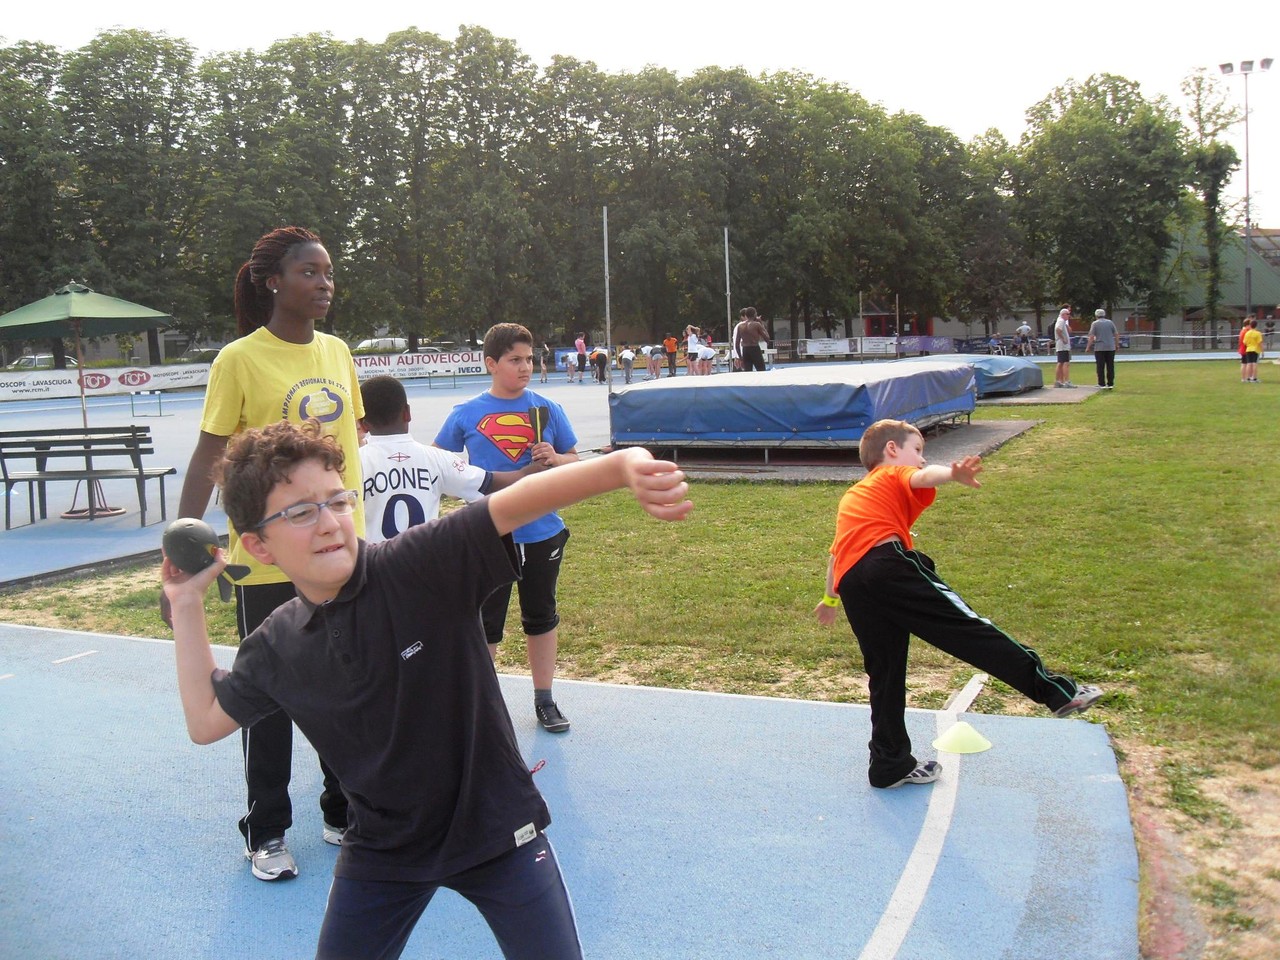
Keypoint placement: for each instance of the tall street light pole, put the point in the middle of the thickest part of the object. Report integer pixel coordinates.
(1246, 68)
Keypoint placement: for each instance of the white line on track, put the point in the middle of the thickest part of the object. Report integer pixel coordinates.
(903, 906)
(7, 676)
(76, 656)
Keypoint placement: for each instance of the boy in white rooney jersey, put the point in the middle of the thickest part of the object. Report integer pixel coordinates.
(404, 479)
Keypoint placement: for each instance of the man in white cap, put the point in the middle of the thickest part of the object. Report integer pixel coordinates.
(1102, 341)
(1062, 343)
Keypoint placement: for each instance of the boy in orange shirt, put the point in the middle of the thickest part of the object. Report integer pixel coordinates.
(891, 591)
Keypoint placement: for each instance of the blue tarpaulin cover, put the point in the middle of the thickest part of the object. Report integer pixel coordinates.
(819, 404)
(994, 374)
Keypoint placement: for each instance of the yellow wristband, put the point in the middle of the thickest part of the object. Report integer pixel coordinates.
(830, 601)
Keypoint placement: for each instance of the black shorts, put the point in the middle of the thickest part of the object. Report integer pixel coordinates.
(1250, 357)
(539, 571)
(1064, 356)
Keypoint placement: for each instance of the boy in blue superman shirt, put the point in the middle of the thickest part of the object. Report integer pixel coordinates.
(497, 429)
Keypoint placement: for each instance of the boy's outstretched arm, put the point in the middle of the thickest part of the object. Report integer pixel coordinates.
(206, 720)
(658, 486)
(961, 471)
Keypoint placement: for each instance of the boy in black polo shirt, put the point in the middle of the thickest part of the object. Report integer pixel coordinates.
(382, 663)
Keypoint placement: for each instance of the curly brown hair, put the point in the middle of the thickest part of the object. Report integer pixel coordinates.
(256, 460)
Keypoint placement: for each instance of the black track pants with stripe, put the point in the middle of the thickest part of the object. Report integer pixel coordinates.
(892, 593)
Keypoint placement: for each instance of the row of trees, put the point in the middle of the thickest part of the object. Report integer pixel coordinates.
(457, 184)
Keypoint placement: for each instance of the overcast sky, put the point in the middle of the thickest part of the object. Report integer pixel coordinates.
(967, 67)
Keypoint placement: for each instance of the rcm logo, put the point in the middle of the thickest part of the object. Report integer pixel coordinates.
(135, 378)
(95, 381)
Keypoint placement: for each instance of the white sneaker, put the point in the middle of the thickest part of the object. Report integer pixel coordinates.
(333, 834)
(1086, 696)
(272, 861)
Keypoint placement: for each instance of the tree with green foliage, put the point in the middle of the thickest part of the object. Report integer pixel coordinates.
(650, 197)
(1212, 162)
(1104, 170)
(995, 270)
(400, 251)
(129, 107)
(564, 157)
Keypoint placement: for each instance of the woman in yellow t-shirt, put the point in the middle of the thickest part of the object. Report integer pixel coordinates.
(280, 368)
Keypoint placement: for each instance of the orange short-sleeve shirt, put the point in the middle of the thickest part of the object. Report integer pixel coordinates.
(880, 505)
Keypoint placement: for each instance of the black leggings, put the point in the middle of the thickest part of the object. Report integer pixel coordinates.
(268, 744)
(892, 593)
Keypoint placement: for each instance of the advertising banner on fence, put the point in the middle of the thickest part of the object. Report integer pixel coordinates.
(827, 347)
(51, 384)
(406, 366)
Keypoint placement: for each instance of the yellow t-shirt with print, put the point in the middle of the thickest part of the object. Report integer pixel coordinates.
(261, 379)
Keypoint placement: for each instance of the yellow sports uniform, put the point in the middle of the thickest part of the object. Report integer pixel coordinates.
(261, 379)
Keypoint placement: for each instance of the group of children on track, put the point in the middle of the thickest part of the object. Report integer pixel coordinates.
(371, 623)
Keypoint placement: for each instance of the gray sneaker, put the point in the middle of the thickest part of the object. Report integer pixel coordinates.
(1086, 695)
(333, 834)
(272, 861)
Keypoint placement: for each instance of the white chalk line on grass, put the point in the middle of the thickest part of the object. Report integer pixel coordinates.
(900, 913)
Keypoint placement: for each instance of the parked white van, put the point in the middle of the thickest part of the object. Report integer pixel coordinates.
(381, 345)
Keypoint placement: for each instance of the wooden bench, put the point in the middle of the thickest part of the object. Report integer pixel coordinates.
(75, 453)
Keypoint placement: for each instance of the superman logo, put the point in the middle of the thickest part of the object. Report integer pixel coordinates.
(510, 432)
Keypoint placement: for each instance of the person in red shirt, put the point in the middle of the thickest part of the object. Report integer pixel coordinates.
(1244, 328)
(890, 591)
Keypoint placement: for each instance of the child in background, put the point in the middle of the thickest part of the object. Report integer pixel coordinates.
(891, 591)
(627, 359)
(496, 431)
(1252, 340)
(404, 479)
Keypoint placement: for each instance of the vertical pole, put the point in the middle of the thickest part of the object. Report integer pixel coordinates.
(728, 298)
(608, 319)
(84, 411)
(1248, 226)
(897, 326)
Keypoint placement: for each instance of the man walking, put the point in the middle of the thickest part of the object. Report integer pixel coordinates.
(1102, 341)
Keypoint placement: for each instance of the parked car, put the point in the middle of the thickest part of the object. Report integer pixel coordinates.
(380, 345)
(199, 355)
(39, 361)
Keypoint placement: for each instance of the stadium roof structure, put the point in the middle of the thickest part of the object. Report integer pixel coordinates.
(1265, 280)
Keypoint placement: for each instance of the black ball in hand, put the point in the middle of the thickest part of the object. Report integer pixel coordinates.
(190, 544)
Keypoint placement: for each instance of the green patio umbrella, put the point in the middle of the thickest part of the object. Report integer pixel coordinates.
(77, 311)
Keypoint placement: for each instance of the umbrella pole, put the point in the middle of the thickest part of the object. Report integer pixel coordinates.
(84, 410)
(93, 489)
